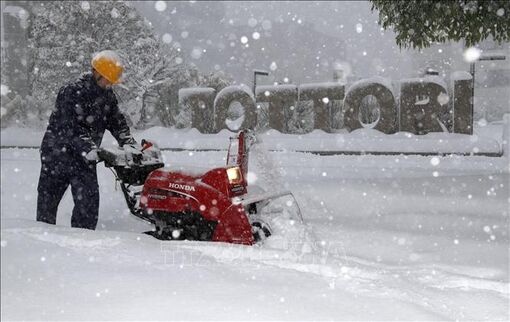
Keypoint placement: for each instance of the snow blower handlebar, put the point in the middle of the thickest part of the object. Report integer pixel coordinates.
(125, 158)
(130, 155)
(130, 164)
(109, 158)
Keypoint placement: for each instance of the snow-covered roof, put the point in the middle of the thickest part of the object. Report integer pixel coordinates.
(326, 85)
(187, 92)
(260, 71)
(290, 88)
(15, 11)
(429, 79)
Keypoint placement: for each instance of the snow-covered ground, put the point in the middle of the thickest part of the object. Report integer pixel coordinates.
(388, 237)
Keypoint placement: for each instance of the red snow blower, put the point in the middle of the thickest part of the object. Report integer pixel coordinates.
(212, 206)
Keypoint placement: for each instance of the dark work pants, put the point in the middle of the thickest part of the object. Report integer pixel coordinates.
(59, 169)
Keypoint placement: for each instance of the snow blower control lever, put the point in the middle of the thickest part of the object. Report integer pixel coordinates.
(146, 144)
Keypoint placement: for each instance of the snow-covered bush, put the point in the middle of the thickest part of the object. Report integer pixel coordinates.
(22, 111)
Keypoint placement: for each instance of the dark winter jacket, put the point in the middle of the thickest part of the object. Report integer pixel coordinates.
(83, 111)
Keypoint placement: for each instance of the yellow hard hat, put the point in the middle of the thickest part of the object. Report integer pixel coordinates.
(108, 64)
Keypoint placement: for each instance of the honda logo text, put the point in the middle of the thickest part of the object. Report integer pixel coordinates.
(181, 186)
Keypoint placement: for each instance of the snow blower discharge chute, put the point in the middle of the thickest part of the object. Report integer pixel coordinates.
(213, 206)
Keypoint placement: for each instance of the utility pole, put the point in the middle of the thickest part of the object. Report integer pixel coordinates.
(255, 73)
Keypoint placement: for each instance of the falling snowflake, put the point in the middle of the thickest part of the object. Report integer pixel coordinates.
(115, 13)
(252, 22)
(167, 38)
(443, 99)
(85, 5)
(160, 5)
(176, 234)
(196, 53)
(472, 54)
(252, 178)
(266, 25)
(4, 90)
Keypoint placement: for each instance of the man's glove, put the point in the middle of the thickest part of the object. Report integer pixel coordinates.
(92, 155)
(133, 154)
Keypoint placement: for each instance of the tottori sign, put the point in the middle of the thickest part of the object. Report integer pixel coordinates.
(417, 105)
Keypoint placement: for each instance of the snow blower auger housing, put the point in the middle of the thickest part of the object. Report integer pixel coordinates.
(212, 206)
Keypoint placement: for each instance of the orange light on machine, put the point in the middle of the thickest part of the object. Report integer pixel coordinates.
(234, 175)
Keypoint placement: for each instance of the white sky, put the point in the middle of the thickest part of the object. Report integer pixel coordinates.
(367, 47)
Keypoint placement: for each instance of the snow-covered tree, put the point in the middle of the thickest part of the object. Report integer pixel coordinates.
(167, 108)
(217, 80)
(150, 65)
(60, 54)
(420, 23)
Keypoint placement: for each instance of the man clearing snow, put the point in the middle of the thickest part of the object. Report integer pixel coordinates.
(83, 111)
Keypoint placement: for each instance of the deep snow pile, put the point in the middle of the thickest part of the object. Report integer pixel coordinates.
(487, 138)
(391, 237)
